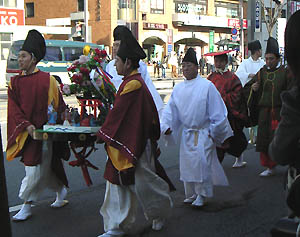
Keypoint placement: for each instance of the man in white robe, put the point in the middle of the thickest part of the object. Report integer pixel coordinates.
(249, 67)
(117, 79)
(197, 107)
(247, 70)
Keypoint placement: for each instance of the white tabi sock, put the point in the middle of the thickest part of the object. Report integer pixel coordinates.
(23, 214)
(60, 196)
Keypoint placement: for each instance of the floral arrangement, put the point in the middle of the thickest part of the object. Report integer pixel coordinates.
(90, 81)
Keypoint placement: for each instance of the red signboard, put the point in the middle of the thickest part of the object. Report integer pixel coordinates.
(11, 17)
(234, 22)
(154, 26)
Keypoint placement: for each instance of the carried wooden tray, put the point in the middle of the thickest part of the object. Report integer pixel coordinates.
(65, 133)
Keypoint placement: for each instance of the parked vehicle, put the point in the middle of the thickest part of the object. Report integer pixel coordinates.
(59, 55)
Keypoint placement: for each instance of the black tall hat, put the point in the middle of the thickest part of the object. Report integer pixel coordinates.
(119, 31)
(272, 46)
(190, 56)
(129, 47)
(35, 44)
(291, 43)
(254, 45)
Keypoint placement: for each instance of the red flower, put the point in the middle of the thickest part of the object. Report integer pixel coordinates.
(77, 78)
(98, 52)
(84, 70)
(103, 53)
(71, 68)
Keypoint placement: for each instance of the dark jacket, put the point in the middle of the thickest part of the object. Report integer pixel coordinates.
(284, 148)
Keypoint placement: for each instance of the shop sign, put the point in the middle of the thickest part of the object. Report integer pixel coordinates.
(11, 17)
(154, 26)
(170, 36)
(210, 21)
(211, 40)
(181, 7)
(235, 22)
(170, 48)
(257, 16)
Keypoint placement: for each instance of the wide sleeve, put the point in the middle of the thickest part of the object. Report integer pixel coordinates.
(155, 95)
(284, 148)
(170, 119)
(116, 117)
(234, 100)
(219, 128)
(242, 73)
(16, 125)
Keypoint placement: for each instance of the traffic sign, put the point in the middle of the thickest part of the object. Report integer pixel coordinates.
(234, 31)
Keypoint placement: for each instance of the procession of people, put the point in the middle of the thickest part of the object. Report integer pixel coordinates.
(205, 117)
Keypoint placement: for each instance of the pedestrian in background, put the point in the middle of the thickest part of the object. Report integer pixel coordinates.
(197, 107)
(180, 58)
(201, 65)
(164, 66)
(156, 64)
(173, 61)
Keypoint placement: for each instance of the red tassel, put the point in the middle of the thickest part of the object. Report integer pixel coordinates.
(274, 124)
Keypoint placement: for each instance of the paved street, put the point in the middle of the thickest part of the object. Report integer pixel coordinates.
(248, 207)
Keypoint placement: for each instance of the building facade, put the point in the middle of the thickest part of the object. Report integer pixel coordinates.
(257, 27)
(159, 25)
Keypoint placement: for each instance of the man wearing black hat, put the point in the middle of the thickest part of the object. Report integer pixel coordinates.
(249, 67)
(264, 94)
(230, 89)
(130, 133)
(197, 107)
(247, 70)
(29, 95)
(119, 31)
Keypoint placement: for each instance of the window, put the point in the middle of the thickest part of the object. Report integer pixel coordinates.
(127, 10)
(5, 43)
(157, 6)
(225, 9)
(72, 53)
(8, 3)
(53, 54)
(30, 9)
(80, 5)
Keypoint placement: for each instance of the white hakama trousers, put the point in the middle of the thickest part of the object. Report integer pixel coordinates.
(203, 189)
(40, 177)
(120, 203)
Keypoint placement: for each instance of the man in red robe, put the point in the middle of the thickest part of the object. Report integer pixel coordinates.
(230, 88)
(29, 95)
(130, 133)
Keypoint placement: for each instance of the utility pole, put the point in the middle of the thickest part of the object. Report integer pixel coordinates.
(4, 213)
(241, 29)
(86, 20)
